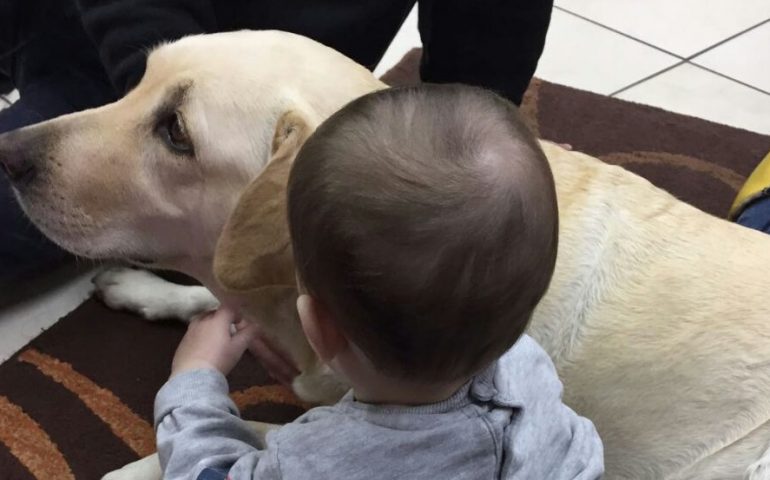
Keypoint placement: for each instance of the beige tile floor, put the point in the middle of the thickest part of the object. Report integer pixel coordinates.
(706, 58)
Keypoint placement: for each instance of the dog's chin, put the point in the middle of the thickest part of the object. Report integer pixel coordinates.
(100, 246)
(95, 250)
(78, 237)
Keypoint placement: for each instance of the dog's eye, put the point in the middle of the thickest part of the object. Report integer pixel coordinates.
(174, 133)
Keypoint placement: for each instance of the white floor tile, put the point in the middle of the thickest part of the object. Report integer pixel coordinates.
(683, 27)
(21, 322)
(586, 56)
(407, 38)
(693, 91)
(746, 58)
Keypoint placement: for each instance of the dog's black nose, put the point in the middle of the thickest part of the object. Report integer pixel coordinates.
(19, 173)
(15, 163)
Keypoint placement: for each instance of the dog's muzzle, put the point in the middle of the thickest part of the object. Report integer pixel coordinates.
(21, 154)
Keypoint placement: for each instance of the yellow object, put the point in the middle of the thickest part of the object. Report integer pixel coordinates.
(757, 183)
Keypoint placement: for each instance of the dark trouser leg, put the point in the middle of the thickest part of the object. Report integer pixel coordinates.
(362, 30)
(494, 44)
(46, 55)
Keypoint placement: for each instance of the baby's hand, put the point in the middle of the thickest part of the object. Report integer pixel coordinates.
(276, 361)
(210, 343)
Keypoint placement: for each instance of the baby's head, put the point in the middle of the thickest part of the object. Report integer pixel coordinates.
(424, 226)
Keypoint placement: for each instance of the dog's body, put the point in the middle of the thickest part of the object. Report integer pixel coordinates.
(656, 324)
(654, 318)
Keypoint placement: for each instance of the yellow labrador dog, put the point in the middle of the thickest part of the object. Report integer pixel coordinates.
(655, 318)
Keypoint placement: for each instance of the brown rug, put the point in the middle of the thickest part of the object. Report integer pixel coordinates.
(77, 401)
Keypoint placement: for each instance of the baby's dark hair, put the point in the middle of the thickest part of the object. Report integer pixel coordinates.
(425, 220)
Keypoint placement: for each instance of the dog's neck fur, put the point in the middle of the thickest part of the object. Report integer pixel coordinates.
(202, 270)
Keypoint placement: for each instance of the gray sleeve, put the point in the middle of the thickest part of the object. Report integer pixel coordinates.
(550, 440)
(198, 427)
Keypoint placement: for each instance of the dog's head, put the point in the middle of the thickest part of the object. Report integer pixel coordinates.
(154, 176)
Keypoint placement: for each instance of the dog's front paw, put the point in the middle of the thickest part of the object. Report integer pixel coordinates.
(122, 288)
(150, 296)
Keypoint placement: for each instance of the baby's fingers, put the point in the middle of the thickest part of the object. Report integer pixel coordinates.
(244, 335)
(218, 321)
(223, 316)
(276, 362)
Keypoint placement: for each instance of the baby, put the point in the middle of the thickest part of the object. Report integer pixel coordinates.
(424, 227)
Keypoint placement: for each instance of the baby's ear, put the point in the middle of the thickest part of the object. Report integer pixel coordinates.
(254, 249)
(319, 327)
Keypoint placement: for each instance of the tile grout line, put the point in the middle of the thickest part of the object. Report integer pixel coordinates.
(691, 58)
(688, 60)
(660, 49)
(722, 42)
(649, 77)
(696, 65)
(683, 60)
(630, 37)
(727, 77)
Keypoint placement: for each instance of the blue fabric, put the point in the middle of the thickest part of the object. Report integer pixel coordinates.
(213, 473)
(757, 214)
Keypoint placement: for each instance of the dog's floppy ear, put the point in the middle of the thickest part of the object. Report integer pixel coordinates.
(254, 250)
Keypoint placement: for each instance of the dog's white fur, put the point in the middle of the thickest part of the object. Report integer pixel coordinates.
(152, 297)
(655, 318)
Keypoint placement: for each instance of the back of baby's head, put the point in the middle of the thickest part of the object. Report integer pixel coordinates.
(425, 220)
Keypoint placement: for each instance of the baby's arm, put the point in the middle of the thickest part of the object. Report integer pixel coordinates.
(198, 427)
(199, 432)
